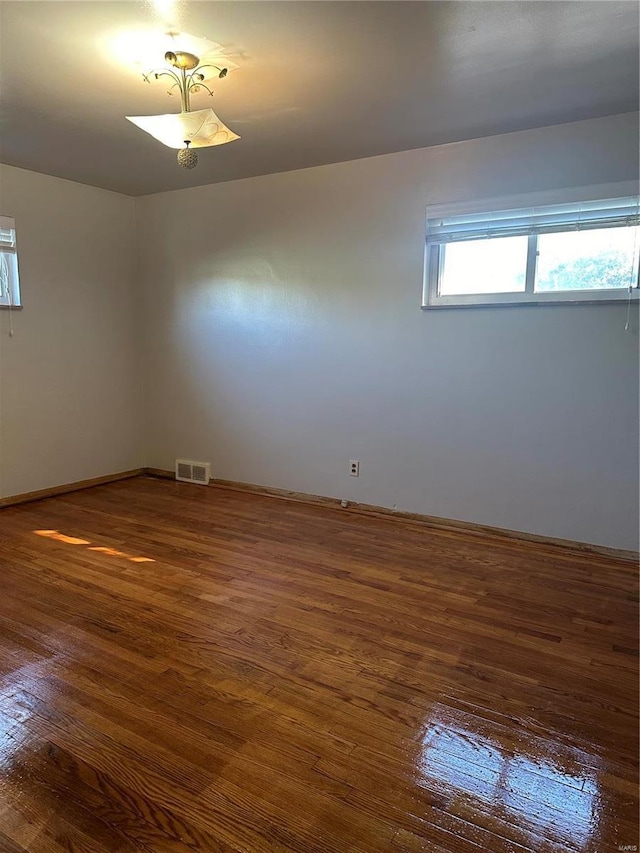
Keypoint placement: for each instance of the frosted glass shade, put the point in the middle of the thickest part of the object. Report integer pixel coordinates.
(202, 128)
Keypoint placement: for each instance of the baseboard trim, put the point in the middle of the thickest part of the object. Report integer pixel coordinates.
(443, 524)
(66, 488)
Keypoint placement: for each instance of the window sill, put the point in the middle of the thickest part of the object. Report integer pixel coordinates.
(11, 307)
(528, 301)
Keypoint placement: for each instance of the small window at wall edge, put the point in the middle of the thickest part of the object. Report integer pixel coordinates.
(9, 277)
(578, 245)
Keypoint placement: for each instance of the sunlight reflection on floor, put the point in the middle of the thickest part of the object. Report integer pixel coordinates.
(72, 540)
(546, 795)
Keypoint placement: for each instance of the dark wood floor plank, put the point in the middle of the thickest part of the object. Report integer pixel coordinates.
(191, 669)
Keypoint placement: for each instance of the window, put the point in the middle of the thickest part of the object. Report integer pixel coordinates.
(572, 252)
(9, 282)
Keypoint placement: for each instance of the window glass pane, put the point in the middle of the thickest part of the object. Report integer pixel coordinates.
(587, 260)
(9, 286)
(484, 266)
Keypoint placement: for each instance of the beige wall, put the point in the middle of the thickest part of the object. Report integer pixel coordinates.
(69, 377)
(284, 336)
(280, 334)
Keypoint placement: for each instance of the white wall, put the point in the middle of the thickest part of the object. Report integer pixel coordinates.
(284, 336)
(70, 406)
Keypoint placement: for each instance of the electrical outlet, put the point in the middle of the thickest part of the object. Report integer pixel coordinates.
(354, 467)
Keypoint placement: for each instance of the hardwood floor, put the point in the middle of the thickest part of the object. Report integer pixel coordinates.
(188, 669)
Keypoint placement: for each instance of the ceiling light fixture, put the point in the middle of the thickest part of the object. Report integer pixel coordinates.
(188, 128)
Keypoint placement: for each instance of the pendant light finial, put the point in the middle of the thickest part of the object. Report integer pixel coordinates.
(187, 157)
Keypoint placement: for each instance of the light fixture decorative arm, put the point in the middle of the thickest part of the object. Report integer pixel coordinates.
(188, 77)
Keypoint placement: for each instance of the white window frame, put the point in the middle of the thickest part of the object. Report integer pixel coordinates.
(9, 254)
(433, 260)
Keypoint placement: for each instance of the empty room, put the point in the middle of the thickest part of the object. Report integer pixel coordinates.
(319, 426)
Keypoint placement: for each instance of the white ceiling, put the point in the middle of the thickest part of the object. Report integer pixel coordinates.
(318, 82)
